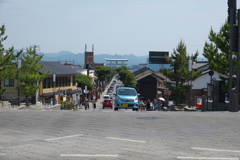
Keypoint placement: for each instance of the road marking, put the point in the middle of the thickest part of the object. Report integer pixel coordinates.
(218, 150)
(2, 154)
(206, 158)
(128, 110)
(130, 140)
(108, 111)
(72, 136)
(88, 155)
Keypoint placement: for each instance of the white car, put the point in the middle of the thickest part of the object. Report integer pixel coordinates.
(106, 97)
(110, 95)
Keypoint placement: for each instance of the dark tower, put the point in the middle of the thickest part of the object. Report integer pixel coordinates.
(88, 56)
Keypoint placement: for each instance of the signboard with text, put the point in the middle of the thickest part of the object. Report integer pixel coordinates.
(157, 57)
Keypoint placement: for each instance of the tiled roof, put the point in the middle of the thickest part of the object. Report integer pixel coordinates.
(141, 70)
(57, 68)
(200, 64)
(160, 75)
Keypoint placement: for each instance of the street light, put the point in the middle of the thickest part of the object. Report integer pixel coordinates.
(19, 81)
(54, 80)
(189, 87)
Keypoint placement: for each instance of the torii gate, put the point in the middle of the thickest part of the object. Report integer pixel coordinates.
(114, 63)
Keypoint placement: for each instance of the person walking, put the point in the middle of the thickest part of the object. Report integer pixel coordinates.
(162, 104)
(140, 105)
(86, 104)
(94, 104)
(148, 106)
(154, 104)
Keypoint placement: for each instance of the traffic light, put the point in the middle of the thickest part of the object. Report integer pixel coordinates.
(232, 4)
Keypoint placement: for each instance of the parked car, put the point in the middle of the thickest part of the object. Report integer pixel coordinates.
(107, 103)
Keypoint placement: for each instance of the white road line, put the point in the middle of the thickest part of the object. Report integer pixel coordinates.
(88, 155)
(52, 139)
(128, 110)
(2, 154)
(217, 150)
(207, 158)
(130, 140)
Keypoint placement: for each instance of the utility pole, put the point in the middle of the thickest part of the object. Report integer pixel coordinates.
(234, 32)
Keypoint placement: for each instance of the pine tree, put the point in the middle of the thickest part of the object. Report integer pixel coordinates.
(29, 73)
(179, 72)
(8, 61)
(217, 51)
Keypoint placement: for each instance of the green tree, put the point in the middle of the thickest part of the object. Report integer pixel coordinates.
(216, 50)
(104, 73)
(29, 73)
(179, 72)
(8, 61)
(82, 81)
(126, 76)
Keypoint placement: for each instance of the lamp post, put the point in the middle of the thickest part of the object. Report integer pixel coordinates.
(190, 76)
(54, 80)
(19, 81)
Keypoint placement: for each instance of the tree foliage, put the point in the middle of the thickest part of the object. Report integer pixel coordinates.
(216, 50)
(179, 71)
(8, 61)
(126, 76)
(104, 73)
(29, 73)
(84, 80)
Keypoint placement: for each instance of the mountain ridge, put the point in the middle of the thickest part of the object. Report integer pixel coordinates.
(78, 58)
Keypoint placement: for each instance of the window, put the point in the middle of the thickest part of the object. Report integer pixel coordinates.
(9, 82)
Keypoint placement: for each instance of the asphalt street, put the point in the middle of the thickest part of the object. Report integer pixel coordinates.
(123, 134)
(105, 134)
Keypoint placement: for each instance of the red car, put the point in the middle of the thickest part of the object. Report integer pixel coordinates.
(107, 103)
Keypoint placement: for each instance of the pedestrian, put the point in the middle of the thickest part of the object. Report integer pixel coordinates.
(158, 105)
(154, 104)
(86, 104)
(162, 104)
(148, 105)
(94, 104)
(80, 102)
(140, 105)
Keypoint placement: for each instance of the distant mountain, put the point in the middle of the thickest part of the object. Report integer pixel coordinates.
(66, 56)
(78, 59)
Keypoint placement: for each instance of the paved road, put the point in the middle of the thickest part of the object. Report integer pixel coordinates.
(107, 134)
(124, 134)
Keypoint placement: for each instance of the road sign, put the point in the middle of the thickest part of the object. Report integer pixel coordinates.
(158, 57)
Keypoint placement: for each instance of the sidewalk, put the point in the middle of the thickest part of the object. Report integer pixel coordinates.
(98, 103)
(56, 106)
(32, 107)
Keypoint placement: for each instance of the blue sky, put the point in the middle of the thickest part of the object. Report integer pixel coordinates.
(113, 26)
